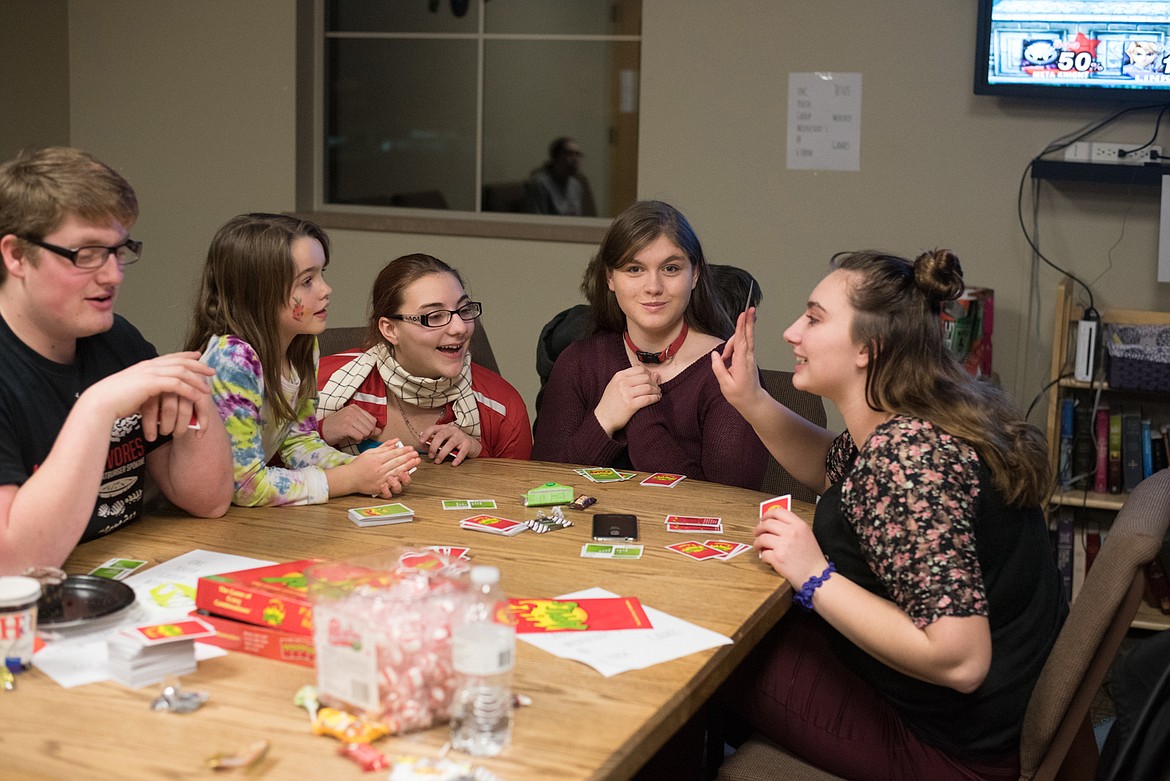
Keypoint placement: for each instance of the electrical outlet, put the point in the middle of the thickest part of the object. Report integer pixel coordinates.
(1112, 153)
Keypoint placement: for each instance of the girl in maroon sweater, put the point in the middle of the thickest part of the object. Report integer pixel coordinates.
(640, 393)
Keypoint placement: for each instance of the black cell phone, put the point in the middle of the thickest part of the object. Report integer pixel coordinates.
(608, 527)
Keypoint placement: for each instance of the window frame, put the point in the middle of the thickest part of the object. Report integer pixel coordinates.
(310, 146)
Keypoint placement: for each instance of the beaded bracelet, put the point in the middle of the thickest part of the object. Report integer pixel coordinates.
(805, 595)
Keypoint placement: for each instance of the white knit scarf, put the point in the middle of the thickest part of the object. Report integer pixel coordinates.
(420, 391)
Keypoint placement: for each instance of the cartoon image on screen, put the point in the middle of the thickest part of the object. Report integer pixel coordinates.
(1074, 43)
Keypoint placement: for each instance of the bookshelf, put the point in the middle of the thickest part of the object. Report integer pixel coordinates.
(1087, 503)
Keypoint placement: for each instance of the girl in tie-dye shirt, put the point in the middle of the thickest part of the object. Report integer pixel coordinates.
(261, 303)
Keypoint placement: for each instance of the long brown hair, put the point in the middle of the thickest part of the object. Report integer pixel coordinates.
(246, 284)
(897, 305)
(631, 231)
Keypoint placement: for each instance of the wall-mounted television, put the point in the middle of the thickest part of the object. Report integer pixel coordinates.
(1081, 49)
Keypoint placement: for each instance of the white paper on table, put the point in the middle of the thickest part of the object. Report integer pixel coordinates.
(165, 592)
(616, 651)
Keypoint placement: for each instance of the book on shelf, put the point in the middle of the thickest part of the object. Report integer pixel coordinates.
(1067, 421)
(1114, 464)
(1101, 431)
(1131, 450)
(1147, 449)
(1065, 543)
(1083, 457)
(1157, 451)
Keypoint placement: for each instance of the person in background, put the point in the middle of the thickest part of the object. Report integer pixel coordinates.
(639, 394)
(558, 186)
(934, 596)
(88, 409)
(262, 301)
(415, 381)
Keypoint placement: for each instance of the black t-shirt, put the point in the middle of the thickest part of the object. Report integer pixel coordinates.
(916, 518)
(36, 395)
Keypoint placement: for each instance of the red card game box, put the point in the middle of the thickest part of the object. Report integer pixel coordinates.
(259, 640)
(275, 596)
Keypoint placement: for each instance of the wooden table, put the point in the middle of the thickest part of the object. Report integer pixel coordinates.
(581, 725)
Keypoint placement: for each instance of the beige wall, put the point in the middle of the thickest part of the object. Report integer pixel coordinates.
(34, 79)
(199, 114)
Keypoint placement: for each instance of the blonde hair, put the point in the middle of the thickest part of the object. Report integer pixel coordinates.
(39, 188)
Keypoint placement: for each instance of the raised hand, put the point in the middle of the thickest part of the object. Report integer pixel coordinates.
(735, 369)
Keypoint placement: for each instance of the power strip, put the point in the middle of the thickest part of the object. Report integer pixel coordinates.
(1114, 154)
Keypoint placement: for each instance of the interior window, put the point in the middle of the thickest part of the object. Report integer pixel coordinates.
(523, 106)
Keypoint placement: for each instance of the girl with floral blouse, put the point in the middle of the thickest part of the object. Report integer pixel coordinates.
(933, 596)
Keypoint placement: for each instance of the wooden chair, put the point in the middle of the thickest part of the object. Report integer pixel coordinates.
(777, 481)
(1057, 739)
(335, 340)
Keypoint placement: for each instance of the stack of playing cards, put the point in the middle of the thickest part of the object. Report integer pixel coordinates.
(149, 654)
(663, 480)
(688, 524)
(493, 525)
(709, 549)
(604, 474)
(381, 514)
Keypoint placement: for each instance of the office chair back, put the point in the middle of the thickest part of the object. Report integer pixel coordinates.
(1056, 732)
(778, 384)
(336, 340)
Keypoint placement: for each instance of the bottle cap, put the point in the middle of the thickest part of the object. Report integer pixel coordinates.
(484, 576)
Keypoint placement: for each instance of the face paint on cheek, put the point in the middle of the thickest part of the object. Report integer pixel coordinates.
(298, 309)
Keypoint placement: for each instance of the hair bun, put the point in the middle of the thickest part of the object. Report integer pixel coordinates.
(939, 275)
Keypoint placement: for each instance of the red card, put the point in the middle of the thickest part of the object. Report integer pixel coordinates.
(578, 615)
(783, 502)
(490, 523)
(727, 548)
(694, 550)
(693, 520)
(664, 480)
(158, 634)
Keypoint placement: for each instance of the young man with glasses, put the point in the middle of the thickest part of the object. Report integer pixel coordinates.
(88, 409)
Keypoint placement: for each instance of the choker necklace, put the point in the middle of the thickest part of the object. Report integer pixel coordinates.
(663, 356)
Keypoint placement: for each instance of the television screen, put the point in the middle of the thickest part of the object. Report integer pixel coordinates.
(1100, 49)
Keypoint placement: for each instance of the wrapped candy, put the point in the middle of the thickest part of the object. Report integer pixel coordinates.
(382, 630)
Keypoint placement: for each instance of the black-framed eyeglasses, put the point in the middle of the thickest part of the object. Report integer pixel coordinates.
(440, 317)
(94, 256)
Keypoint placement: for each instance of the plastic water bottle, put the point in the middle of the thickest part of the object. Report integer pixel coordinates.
(483, 650)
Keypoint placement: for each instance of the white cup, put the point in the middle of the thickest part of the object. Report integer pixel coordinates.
(18, 617)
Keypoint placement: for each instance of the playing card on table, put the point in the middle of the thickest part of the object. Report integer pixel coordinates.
(469, 504)
(603, 550)
(663, 480)
(493, 525)
(381, 514)
(117, 569)
(783, 502)
(727, 548)
(450, 550)
(602, 475)
(692, 523)
(694, 550)
(693, 520)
